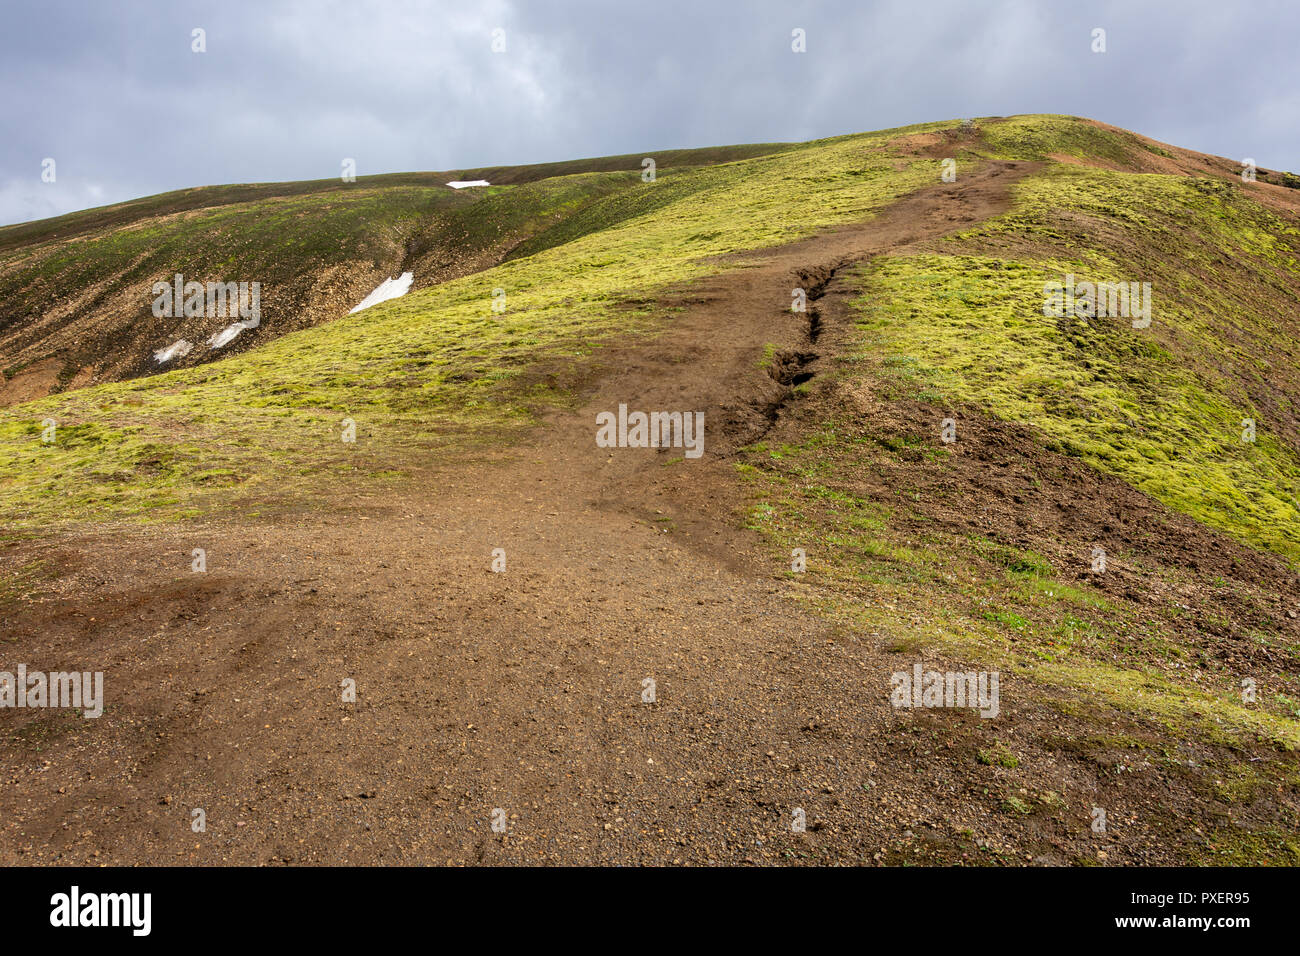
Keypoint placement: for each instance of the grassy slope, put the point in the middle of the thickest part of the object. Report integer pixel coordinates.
(959, 331)
(1163, 407)
(287, 243)
(434, 368)
(76, 289)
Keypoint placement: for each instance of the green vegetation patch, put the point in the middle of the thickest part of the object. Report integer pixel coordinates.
(1167, 408)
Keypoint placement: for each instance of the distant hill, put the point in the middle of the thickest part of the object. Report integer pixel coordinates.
(75, 299)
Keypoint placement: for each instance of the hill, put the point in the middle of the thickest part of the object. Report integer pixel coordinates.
(1098, 508)
(76, 292)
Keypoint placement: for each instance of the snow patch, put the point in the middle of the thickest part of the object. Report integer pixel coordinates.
(463, 183)
(388, 289)
(178, 349)
(229, 334)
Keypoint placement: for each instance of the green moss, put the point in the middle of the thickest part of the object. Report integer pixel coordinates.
(1038, 136)
(1015, 805)
(999, 755)
(1236, 847)
(978, 599)
(1163, 407)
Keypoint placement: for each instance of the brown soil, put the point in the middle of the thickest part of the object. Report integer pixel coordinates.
(523, 690)
(34, 381)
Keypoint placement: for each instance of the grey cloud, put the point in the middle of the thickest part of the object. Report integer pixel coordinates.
(288, 88)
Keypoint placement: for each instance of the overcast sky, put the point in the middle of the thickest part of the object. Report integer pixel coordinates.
(115, 95)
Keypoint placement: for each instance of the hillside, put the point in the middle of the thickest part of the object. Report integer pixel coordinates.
(1169, 447)
(75, 292)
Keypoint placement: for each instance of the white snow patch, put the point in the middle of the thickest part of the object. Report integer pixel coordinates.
(178, 349)
(388, 289)
(462, 183)
(229, 334)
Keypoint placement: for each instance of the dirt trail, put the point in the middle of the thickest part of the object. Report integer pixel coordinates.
(522, 690)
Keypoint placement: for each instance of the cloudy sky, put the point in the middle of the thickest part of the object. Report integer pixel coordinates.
(116, 96)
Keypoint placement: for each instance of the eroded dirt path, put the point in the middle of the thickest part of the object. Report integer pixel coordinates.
(521, 690)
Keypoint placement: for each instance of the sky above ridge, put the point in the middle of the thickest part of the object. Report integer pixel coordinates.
(118, 96)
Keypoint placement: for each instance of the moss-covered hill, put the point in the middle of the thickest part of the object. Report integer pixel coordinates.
(438, 366)
(1172, 446)
(75, 291)
(1117, 519)
(1163, 407)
